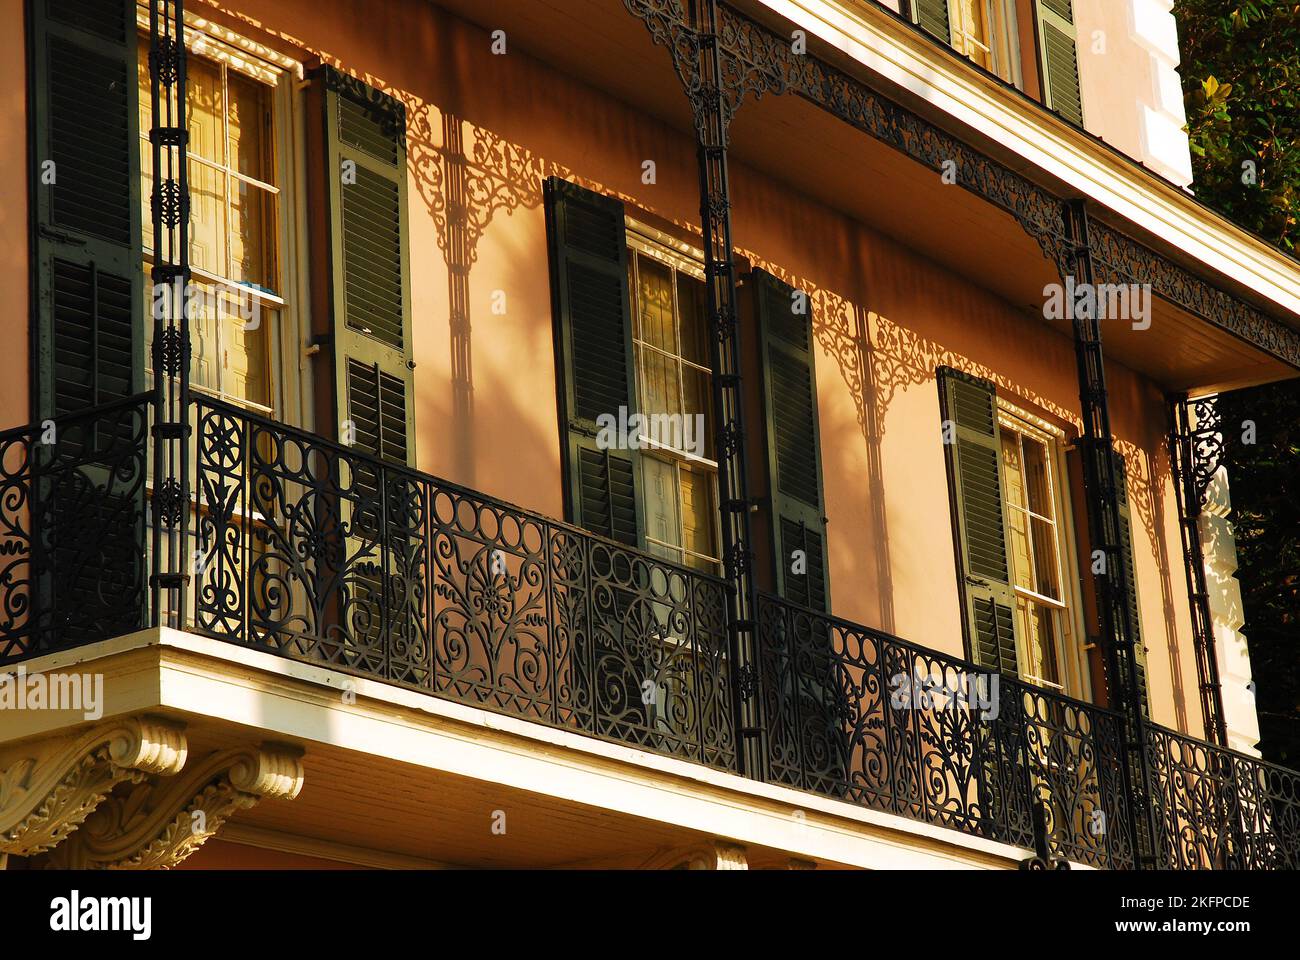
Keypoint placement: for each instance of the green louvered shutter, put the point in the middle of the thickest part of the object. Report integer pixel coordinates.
(1130, 580)
(593, 344)
(932, 15)
(970, 413)
(1057, 40)
(89, 277)
(789, 384)
(370, 284)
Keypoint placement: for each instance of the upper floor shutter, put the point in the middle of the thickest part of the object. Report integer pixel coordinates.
(1130, 580)
(932, 15)
(1058, 39)
(974, 457)
(593, 344)
(85, 175)
(789, 385)
(369, 267)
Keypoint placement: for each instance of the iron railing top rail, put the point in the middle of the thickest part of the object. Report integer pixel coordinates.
(1018, 682)
(934, 654)
(89, 413)
(1202, 744)
(419, 476)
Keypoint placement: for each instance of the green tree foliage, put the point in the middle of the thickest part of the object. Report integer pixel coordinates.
(1241, 76)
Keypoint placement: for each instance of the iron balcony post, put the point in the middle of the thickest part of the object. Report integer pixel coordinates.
(712, 116)
(169, 301)
(1101, 484)
(1192, 472)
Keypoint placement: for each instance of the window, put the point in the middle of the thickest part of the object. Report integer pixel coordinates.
(1012, 535)
(986, 32)
(674, 389)
(1031, 494)
(1001, 35)
(235, 205)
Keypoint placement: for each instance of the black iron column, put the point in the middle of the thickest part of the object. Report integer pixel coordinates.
(712, 117)
(1101, 483)
(714, 84)
(170, 204)
(1194, 456)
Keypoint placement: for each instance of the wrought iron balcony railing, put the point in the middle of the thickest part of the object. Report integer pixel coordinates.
(860, 715)
(72, 529)
(310, 550)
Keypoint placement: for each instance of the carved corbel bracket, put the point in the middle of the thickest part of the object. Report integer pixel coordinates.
(49, 787)
(707, 856)
(156, 824)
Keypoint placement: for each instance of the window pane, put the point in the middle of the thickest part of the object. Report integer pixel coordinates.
(207, 218)
(1038, 628)
(698, 399)
(1045, 559)
(1038, 487)
(249, 125)
(252, 219)
(654, 298)
(697, 513)
(660, 392)
(661, 504)
(245, 371)
(1013, 486)
(694, 321)
(1022, 564)
(970, 31)
(204, 107)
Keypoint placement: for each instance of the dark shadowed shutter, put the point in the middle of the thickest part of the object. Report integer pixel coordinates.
(593, 344)
(85, 178)
(365, 146)
(932, 15)
(1130, 579)
(975, 489)
(1057, 39)
(793, 451)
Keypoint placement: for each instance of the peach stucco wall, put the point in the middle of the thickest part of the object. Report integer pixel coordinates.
(14, 276)
(884, 316)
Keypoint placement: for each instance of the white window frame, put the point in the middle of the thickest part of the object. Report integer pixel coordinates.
(1072, 649)
(284, 74)
(683, 258)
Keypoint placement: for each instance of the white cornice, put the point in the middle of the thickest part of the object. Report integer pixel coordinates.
(870, 36)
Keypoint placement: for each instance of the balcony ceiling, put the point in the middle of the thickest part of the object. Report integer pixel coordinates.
(820, 156)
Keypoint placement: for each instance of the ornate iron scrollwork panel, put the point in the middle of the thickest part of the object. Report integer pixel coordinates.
(314, 551)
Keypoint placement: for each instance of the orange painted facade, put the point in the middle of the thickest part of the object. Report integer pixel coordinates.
(885, 316)
(888, 307)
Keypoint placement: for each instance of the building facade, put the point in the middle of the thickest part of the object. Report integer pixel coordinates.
(636, 433)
